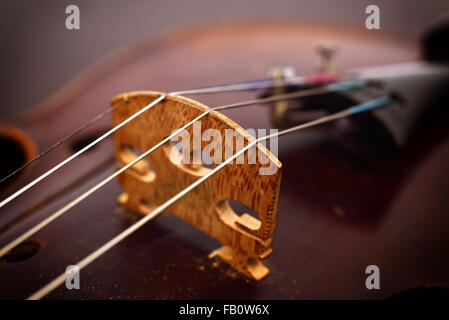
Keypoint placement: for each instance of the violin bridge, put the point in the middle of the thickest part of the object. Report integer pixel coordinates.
(152, 181)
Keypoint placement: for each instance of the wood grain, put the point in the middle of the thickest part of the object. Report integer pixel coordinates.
(246, 239)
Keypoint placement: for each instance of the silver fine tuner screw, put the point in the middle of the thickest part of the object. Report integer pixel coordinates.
(282, 73)
(279, 111)
(327, 52)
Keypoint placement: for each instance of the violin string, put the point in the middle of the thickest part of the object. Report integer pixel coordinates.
(373, 104)
(297, 94)
(249, 85)
(76, 154)
(242, 86)
(71, 135)
(246, 86)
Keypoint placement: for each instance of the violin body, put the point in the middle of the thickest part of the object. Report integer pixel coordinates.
(340, 209)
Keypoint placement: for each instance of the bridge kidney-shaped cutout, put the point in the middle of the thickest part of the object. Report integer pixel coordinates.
(143, 167)
(231, 211)
(194, 161)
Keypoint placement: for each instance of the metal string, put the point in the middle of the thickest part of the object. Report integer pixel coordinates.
(76, 154)
(249, 85)
(71, 135)
(377, 103)
(292, 95)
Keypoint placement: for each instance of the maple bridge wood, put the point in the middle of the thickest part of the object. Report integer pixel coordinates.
(151, 182)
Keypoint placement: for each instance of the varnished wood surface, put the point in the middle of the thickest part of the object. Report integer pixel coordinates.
(338, 212)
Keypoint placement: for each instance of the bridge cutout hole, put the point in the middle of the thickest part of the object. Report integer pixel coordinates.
(197, 161)
(234, 211)
(129, 153)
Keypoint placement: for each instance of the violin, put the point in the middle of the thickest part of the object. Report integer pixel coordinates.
(359, 191)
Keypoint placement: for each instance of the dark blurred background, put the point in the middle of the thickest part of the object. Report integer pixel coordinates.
(39, 54)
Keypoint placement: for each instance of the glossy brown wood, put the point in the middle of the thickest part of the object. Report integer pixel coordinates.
(338, 211)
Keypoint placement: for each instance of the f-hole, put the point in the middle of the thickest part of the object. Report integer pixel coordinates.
(17, 149)
(22, 252)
